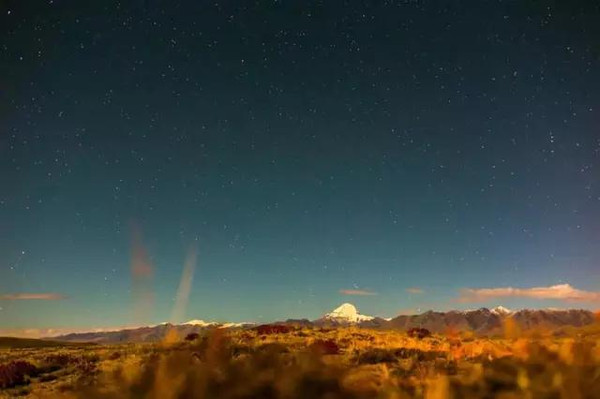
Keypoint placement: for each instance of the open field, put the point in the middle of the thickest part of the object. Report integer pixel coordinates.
(13, 343)
(312, 363)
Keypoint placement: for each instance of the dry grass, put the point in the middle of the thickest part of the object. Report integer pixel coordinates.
(314, 363)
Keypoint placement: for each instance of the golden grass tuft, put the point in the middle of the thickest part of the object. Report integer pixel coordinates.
(318, 363)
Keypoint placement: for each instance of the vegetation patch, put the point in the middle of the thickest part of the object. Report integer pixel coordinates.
(319, 363)
(15, 373)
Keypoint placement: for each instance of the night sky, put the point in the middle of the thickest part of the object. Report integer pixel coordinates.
(404, 149)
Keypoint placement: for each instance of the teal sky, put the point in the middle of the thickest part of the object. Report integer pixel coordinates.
(303, 149)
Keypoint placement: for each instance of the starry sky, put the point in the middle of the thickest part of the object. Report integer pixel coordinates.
(388, 154)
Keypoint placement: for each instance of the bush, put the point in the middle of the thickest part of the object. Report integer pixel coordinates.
(325, 347)
(58, 361)
(379, 355)
(418, 332)
(376, 355)
(84, 364)
(192, 337)
(268, 329)
(14, 373)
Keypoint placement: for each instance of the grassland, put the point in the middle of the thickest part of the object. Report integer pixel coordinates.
(313, 363)
(14, 343)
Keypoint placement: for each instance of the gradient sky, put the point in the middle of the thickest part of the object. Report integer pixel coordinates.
(303, 147)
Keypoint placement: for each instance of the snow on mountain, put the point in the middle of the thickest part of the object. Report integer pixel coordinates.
(200, 323)
(501, 311)
(236, 325)
(498, 310)
(346, 313)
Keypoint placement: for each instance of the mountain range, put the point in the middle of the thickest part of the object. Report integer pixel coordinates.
(481, 321)
(146, 334)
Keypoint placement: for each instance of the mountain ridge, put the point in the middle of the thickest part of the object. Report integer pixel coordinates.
(480, 321)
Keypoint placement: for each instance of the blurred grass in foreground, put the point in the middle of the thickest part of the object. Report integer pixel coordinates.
(316, 363)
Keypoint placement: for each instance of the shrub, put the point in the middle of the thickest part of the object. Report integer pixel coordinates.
(376, 355)
(272, 348)
(14, 373)
(419, 333)
(325, 347)
(414, 353)
(379, 355)
(57, 361)
(246, 336)
(268, 329)
(325, 330)
(192, 337)
(86, 366)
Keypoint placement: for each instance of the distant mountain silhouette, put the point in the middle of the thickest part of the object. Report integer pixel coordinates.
(144, 334)
(486, 321)
(480, 321)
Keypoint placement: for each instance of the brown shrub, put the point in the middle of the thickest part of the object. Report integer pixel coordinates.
(15, 373)
(58, 360)
(192, 337)
(325, 347)
(246, 336)
(272, 348)
(268, 329)
(376, 355)
(86, 366)
(418, 332)
(379, 355)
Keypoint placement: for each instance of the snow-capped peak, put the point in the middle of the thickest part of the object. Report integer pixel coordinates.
(235, 325)
(201, 323)
(501, 310)
(347, 313)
